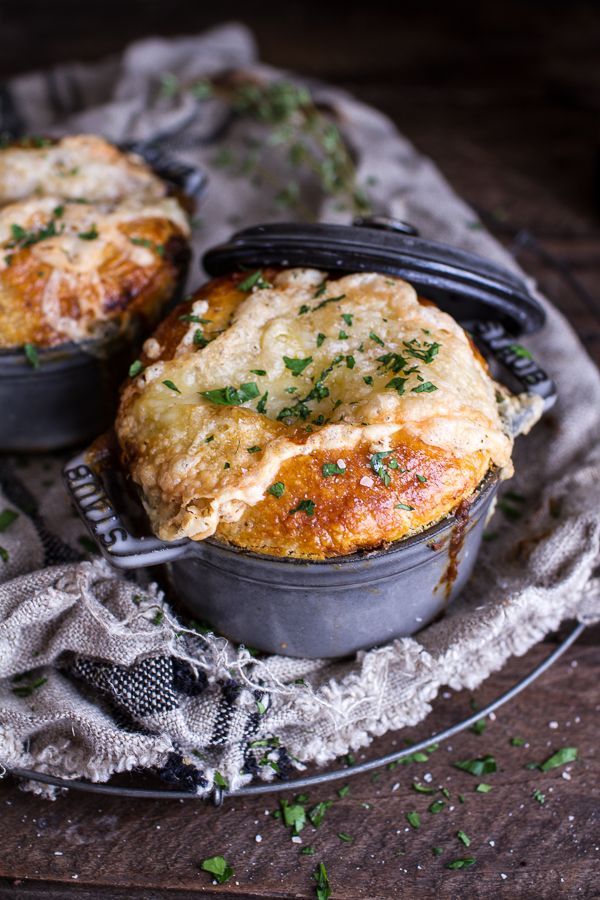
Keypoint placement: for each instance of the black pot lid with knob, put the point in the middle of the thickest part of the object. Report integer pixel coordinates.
(467, 286)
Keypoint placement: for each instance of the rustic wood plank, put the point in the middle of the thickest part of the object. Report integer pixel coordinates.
(115, 845)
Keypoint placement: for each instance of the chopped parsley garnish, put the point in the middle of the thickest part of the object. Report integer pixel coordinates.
(317, 813)
(323, 888)
(173, 387)
(481, 766)
(291, 390)
(58, 211)
(294, 815)
(422, 788)
(463, 863)
(135, 368)
(328, 300)
(218, 867)
(254, 280)
(226, 465)
(404, 506)
(344, 791)
(541, 798)
(258, 371)
(463, 838)
(425, 351)
(7, 517)
(230, 396)
(220, 781)
(189, 317)
(376, 338)
(22, 238)
(332, 469)
(320, 338)
(436, 807)
(347, 317)
(368, 379)
(350, 362)
(560, 758)
(261, 406)
(297, 366)
(426, 388)
(303, 309)
(393, 362)
(479, 726)
(31, 352)
(413, 819)
(198, 339)
(144, 242)
(437, 851)
(342, 336)
(397, 384)
(422, 479)
(90, 235)
(321, 289)
(517, 741)
(483, 788)
(308, 851)
(26, 690)
(307, 506)
(254, 449)
(209, 439)
(277, 489)
(344, 836)
(379, 467)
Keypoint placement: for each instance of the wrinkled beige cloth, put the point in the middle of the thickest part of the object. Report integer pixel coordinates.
(114, 698)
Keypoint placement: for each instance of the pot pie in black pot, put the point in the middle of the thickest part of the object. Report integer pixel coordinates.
(293, 413)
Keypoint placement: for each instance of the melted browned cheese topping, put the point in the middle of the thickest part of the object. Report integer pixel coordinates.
(88, 237)
(307, 417)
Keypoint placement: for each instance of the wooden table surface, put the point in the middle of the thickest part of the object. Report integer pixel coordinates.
(506, 102)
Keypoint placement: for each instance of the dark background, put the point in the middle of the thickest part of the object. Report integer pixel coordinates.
(515, 82)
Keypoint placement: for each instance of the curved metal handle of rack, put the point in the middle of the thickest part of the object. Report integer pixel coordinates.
(93, 500)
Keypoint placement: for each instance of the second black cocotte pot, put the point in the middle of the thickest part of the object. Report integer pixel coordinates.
(333, 607)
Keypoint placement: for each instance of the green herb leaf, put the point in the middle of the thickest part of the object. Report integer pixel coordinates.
(378, 466)
(425, 388)
(218, 867)
(350, 362)
(89, 235)
(464, 838)
(347, 317)
(320, 338)
(135, 368)
(479, 726)
(323, 888)
(294, 815)
(31, 352)
(560, 758)
(344, 791)
(517, 741)
(481, 766)
(173, 387)
(368, 379)
(255, 449)
(376, 338)
(277, 489)
(26, 690)
(258, 371)
(7, 517)
(308, 851)
(541, 798)
(437, 851)
(483, 788)
(422, 788)
(413, 819)
(261, 406)
(463, 863)
(404, 506)
(332, 469)
(254, 280)
(297, 366)
(303, 309)
(436, 807)
(329, 300)
(307, 506)
(397, 384)
(520, 351)
(343, 836)
(230, 396)
(317, 813)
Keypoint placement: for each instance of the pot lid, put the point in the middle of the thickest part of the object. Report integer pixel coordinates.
(467, 286)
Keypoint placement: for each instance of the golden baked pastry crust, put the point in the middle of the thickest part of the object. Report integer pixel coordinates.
(89, 239)
(407, 428)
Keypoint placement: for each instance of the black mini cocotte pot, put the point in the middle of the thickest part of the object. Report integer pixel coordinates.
(334, 607)
(69, 396)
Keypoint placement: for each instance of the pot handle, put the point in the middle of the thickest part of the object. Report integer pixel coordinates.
(521, 365)
(91, 496)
